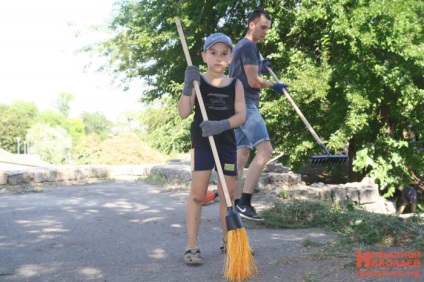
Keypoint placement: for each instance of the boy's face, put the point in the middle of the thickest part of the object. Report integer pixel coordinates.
(217, 57)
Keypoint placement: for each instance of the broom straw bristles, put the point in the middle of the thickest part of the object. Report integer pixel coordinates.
(240, 263)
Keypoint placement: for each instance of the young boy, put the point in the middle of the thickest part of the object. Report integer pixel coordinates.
(223, 98)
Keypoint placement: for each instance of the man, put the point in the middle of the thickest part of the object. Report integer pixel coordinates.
(245, 66)
(409, 193)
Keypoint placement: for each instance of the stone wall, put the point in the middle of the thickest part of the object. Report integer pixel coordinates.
(276, 181)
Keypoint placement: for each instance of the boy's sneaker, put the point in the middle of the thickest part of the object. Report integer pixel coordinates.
(248, 212)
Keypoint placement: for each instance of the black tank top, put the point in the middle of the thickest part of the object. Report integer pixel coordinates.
(219, 104)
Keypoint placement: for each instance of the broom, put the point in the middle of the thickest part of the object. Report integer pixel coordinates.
(239, 264)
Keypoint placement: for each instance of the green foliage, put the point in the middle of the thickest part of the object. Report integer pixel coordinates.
(383, 158)
(15, 120)
(357, 225)
(354, 69)
(63, 103)
(96, 123)
(52, 144)
(87, 150)
(164, 129)
(51, 118)
(75, 128)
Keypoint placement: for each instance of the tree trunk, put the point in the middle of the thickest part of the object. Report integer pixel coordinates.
(352, 175)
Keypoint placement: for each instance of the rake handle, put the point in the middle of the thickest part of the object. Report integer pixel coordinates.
(205, 117)
(302, 117)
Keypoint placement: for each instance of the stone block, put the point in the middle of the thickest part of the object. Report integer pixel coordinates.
(65, 173)
(3, 178)
(368, 195)
(352, 195)
(338, 195)
(28, 177)
(276, 167)
(40, 176)
(15, 178)
(381, 205)
(98, 171)
(140, 170)
(263, 181)
(325, 193)
(290, 179)
(51, 175)
(80, 173)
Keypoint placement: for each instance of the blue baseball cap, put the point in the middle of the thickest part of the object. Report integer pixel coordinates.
(217, 38)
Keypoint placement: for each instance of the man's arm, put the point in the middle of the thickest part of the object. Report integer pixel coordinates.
(253, 78)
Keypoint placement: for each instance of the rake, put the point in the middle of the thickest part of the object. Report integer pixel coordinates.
(322, 159)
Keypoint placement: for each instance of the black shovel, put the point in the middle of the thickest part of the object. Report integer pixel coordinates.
(323, 159)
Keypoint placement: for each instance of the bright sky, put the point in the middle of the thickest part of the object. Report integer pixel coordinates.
(38, 60)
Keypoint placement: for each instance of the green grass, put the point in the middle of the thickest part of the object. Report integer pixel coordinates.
(353, 225)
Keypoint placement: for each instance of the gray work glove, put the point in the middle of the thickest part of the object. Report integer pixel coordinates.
(214, 127)
(192, 73)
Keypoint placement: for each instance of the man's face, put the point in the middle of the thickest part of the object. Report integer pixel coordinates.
(260, 28)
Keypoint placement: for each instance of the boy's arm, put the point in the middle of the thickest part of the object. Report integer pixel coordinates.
(186, 104)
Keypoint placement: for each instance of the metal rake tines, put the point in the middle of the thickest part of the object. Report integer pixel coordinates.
(328, 159)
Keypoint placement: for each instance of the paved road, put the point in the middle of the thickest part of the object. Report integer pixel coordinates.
(132, 231)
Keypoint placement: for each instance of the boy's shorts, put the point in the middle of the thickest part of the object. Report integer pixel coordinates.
(202, 159)
(253, 131)
(409, 195)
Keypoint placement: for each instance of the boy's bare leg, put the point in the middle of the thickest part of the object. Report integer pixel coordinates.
(199, 187)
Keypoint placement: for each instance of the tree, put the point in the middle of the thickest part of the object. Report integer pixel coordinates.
(96, 123)
(63, 103)
(51, 118)
(365, 66)
(354, 67)
(15, 120)
(52, 144)
(164, 129)
(75, 128)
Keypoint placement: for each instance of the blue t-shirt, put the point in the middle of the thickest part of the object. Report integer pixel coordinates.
(245, 53)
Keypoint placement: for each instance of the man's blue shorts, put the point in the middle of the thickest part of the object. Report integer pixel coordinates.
(409, 195)
(202, 159)
(253, 131)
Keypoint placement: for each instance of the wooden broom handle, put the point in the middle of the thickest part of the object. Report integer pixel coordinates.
(302, 117)
(205, 117)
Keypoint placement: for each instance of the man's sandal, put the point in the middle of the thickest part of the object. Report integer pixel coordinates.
(192, 257)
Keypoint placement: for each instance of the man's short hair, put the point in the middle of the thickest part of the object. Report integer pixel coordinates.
(256, 14)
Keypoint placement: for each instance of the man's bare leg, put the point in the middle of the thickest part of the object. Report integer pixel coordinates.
(256, 167)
